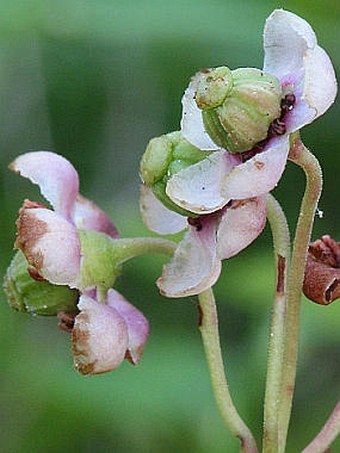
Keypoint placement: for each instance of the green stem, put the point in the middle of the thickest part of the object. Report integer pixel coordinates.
(300, 155)
(130, 247)
(327, 435)
(281, 240)
(212, 348)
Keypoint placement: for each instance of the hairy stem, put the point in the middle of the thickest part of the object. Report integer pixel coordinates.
(281, 242)
(300, 155)
(212, 348)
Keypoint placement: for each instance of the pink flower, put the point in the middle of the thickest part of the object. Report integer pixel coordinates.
(227, 191)
(306, 75)
(104, 333)
(196, 264)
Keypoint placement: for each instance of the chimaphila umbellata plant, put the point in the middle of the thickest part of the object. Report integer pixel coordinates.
(212, 178)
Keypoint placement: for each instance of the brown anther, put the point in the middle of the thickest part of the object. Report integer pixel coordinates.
(195, 222)
(35, 274)
(322, 273)
(277, 127)
(66, 321)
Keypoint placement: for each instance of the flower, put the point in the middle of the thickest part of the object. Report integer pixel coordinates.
(196, 264)
(306, 76)
(70, 245)
(243, 118)
(322, 273)
(104, 334)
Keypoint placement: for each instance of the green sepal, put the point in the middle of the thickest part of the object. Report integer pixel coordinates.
(99, 265)
(28, 295)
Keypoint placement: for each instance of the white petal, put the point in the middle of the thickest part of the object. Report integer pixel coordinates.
(320, 86)
(258, 175)
(194, 266)
(137, 324)
(50, 244)
(304, 68)
(99, 337)
(88, 216)
(286, 40)
(198, 187)
(240, 225)
(56, 177)
(157, 217)
(192, 126)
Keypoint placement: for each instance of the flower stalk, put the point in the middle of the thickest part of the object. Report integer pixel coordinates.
(212, 348)
(327, 434)
(281, 240)
(302, 157)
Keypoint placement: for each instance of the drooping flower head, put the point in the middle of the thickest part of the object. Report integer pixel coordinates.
(70, 245)
(240, 122)
(297, 73)
(210, 238)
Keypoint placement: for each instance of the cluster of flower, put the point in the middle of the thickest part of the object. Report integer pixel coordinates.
(211, 178)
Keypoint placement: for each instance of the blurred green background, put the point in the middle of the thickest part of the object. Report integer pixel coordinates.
(94, 81)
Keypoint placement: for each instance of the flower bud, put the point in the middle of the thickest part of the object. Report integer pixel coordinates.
(238, 106)
(164, 157)
(322, 274)
(35, 295)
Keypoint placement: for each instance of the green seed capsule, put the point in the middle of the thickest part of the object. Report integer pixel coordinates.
(164, 157)
(242, 118)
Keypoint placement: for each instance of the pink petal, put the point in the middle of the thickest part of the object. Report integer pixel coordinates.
(157, 217)
(258, 175)
(55, 176)
(88, 216)
(137, 324)
(240, 226)
(51, 245)
(192, 127)
(198, 187)
(99, 337)
(194, 266)
(292, 54)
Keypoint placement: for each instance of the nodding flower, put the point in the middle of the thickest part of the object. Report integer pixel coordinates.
(70, 245)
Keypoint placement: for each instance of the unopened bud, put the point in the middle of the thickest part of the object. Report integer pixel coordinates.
(27, 292)
(238, 106)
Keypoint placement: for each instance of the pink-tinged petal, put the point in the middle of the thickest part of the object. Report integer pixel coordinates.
(99, 337)
(194, 266)
(137, 324)
(56, 177)
(157, 217)
(240, 225)
(292, 54)
(287, 38)
(258, 175)
(198, 188)
(192, 126)
(50, 244)
(88, 216)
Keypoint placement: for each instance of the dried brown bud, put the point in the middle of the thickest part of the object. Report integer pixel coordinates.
(322, 274)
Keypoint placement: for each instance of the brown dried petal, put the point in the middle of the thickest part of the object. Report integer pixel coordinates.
(322, 274)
